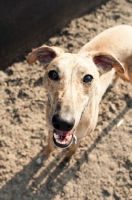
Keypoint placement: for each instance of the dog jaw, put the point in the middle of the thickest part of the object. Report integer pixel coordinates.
(62, 139)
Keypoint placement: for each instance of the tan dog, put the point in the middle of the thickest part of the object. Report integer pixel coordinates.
(76, 83)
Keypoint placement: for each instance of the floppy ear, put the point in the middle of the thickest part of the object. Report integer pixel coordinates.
(105, 62)
(44, 54)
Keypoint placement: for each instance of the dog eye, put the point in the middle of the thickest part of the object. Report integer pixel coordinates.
(53, 75)
(87, 79)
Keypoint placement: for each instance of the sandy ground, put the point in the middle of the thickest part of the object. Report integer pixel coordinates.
(102, 166)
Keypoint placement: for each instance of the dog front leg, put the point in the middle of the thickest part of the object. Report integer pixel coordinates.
(50, 146)
(72, 149)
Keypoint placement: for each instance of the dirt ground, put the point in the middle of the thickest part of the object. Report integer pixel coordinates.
(101, 169)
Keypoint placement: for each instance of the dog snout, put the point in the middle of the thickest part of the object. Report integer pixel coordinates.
(62, 124)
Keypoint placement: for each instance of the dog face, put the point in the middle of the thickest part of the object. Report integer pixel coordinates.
(71, 81)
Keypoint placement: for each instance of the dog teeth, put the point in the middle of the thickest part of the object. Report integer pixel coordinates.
(65, 141)
(56, 136)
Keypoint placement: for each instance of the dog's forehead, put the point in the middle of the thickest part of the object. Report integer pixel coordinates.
(76, 62)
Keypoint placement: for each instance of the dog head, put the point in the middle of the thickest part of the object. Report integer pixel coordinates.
(71, 81)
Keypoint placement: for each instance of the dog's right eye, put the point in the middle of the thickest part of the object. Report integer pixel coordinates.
(88, 78)
(53, 75)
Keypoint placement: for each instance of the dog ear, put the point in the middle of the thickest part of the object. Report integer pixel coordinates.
(44, 54)
(105, 62)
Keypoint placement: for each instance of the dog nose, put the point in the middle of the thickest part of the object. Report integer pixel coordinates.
(62, 124)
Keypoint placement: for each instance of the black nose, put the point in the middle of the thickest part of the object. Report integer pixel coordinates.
(62, 124)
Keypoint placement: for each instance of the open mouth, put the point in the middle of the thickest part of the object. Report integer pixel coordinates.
(62, 139)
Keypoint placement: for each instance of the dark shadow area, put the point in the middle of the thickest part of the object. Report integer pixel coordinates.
(28, 24)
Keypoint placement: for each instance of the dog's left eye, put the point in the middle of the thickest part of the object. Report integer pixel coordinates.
(87, 79)
(53, 75)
